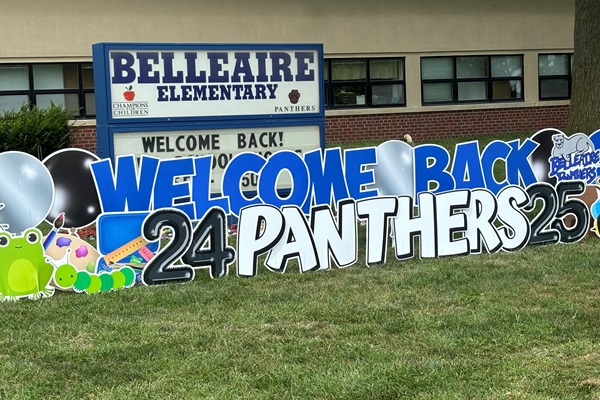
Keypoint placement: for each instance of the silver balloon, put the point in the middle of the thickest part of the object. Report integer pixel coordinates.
(26, 191)
(394, 171)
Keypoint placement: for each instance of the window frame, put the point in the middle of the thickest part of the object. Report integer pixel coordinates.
(489, 81)
(568, 77)
(32, 93)
(368, 83)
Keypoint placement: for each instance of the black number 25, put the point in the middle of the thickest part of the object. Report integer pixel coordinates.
(548, 226)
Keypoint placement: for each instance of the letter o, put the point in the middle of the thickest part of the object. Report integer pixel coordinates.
(223, 160)
(237, 168)
(267, 181)
(191, 143)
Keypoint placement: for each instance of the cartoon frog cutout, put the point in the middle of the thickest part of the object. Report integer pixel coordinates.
(24, 269)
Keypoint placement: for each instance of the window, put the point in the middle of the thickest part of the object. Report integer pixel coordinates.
(377, 82)
(70, 85)
(554, 71)
(468, 79)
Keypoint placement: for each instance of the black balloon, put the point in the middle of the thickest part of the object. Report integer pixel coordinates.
(75, 192)
(541, 155)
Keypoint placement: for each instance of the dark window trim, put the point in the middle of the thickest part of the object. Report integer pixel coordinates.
(367, 83)
(32, 93)
(568, 77)
(489, 80)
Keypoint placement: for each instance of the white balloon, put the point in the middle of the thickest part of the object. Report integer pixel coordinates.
(26, 190)
(394, 171)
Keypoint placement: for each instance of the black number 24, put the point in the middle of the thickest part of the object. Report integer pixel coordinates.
(205, 246)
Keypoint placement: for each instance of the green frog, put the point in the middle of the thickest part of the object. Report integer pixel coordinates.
(25, 271)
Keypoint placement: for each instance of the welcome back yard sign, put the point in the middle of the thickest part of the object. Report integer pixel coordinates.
(158, 222)
(197, 142)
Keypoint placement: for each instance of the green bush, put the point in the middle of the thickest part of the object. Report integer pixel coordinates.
(37, 131)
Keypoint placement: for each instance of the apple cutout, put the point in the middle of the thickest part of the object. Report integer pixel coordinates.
(129, 94)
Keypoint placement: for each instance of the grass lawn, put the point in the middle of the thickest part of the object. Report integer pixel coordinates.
(521, 325)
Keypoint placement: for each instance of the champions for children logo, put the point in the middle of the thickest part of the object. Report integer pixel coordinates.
(129, 107)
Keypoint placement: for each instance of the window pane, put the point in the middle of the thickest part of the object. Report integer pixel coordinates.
(471, 67)
(68, 101)
(437, 68)
(348, 70)
(437, 92)
(506, 66)
(349, 95)
(87, 73)
(516, 89)
(554, 64)
(386, 69)
(506, 90)
(325, 71)
(90, 104)
(14, 77)
(8, 103)
(55, 76)
(554, 88)
(387, 94)
(468, 91)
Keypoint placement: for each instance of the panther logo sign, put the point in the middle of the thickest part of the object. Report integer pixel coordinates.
(294, 96)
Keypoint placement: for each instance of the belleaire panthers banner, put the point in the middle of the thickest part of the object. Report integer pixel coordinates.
(157, 220)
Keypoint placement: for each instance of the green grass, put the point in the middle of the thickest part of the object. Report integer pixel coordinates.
(521, 325)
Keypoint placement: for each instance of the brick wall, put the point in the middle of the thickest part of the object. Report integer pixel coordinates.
(420, 125)
(443, 124)
(84, 138)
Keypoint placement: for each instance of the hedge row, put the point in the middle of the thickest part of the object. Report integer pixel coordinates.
(37, 131)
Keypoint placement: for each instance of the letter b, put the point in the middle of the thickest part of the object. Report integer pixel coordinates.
(431, 162)
(122, 67)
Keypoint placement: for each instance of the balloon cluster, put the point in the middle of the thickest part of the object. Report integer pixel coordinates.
(32, 190)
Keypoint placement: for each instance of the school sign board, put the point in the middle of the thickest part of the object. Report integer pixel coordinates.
(179, 100)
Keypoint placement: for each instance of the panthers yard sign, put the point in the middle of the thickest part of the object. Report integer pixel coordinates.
(158, 221)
